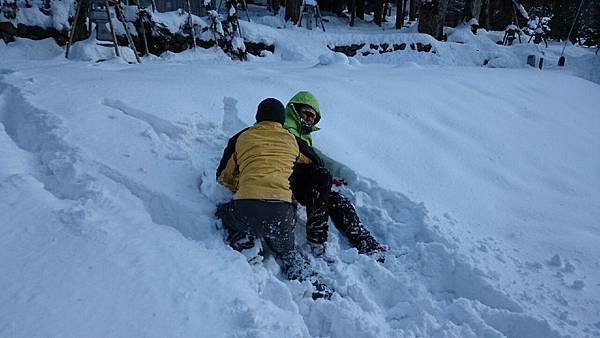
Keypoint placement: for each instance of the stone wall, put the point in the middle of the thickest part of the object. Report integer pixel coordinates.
(365, 50)
(160, 41)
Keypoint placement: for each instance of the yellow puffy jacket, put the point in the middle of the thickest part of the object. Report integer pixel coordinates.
(258, 162)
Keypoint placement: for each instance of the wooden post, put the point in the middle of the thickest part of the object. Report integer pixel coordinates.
(80, 21)
(73, 29)
(141, 15)
(112, 28)
(121, 18)
(191, 23)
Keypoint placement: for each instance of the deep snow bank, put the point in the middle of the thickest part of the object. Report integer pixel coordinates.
(470, 174)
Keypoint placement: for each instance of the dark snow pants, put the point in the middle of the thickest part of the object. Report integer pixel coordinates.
(311, 186)
(274, 221)
(247, 220)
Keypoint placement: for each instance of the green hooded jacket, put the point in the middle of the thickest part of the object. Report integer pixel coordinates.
(292, 120)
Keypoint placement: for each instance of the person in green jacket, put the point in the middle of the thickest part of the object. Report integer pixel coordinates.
(311, 186)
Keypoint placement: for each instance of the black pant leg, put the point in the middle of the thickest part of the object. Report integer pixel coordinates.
(272, 220)
(278, 231)
(239, 235)
(311, 186)
(346, 219)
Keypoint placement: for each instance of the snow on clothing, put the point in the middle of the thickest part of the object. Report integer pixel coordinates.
(258, 162)
(256, 165)
(246, 220)
(311, 185)
(312, 188)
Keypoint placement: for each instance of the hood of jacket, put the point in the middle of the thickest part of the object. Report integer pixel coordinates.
(292, 119)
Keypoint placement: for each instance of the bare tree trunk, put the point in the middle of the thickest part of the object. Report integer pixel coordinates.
(484, 18)
(333, 6)
(399, 13)
(472, 9)
(360, 9)
(352, 10)
(377, 12)
(506, 16)
(292, 10)
(492, 14)
(338, 7)
(432, 16)
(412, 15)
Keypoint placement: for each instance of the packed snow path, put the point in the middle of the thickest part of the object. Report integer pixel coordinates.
(108, 194)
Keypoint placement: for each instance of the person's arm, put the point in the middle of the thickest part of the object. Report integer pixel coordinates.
(229, 176)
(228, 170)
(308, 154)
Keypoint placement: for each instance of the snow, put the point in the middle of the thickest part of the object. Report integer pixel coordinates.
(34, 17)
(335, 58)
(91, 50)
(483, 181)
(175, 20)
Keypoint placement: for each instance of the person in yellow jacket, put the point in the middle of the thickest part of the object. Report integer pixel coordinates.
(256, 165)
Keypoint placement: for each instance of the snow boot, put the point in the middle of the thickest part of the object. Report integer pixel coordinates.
(255, 254)
(298, 267)
(322, 291)
(319, 251)
(369, 246)
(248, 245)
(241, 240)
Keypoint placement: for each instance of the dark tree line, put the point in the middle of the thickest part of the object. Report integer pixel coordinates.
(498, 14)
(587, 25)
(495, 15)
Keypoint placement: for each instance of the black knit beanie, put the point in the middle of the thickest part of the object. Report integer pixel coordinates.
(270, 110)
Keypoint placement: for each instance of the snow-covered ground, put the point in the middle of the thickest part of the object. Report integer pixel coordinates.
(483, 181)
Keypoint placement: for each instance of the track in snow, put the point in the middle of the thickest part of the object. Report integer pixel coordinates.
(429, 291)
